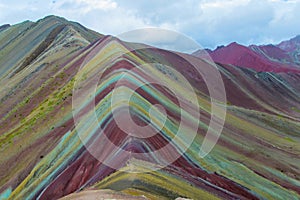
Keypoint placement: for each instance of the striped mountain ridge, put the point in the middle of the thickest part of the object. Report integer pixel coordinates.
(30, 39)
(43, 155)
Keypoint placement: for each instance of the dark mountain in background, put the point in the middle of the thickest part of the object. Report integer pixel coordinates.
(3, 27)
(292, 46)
(43, 157)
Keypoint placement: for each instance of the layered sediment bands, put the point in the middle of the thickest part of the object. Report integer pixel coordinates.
(48, 154)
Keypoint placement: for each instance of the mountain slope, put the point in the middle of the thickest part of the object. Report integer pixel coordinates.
(47, 153)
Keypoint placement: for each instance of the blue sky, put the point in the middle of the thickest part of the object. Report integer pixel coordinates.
(209, 22)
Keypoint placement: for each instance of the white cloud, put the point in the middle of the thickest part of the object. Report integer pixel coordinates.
(82, 7)
(223, 4)
(162, 38)
(210, 22)
(89, 5)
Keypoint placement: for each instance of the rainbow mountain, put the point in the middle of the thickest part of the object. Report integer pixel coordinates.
(64, 118)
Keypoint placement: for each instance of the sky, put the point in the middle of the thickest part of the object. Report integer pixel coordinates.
(209, 22)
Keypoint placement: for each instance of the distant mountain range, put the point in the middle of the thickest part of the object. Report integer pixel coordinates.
(42, 151)
(282, 57)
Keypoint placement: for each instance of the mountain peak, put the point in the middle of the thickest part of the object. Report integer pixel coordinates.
(234, 44)
(52, 18)
(290, 45)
